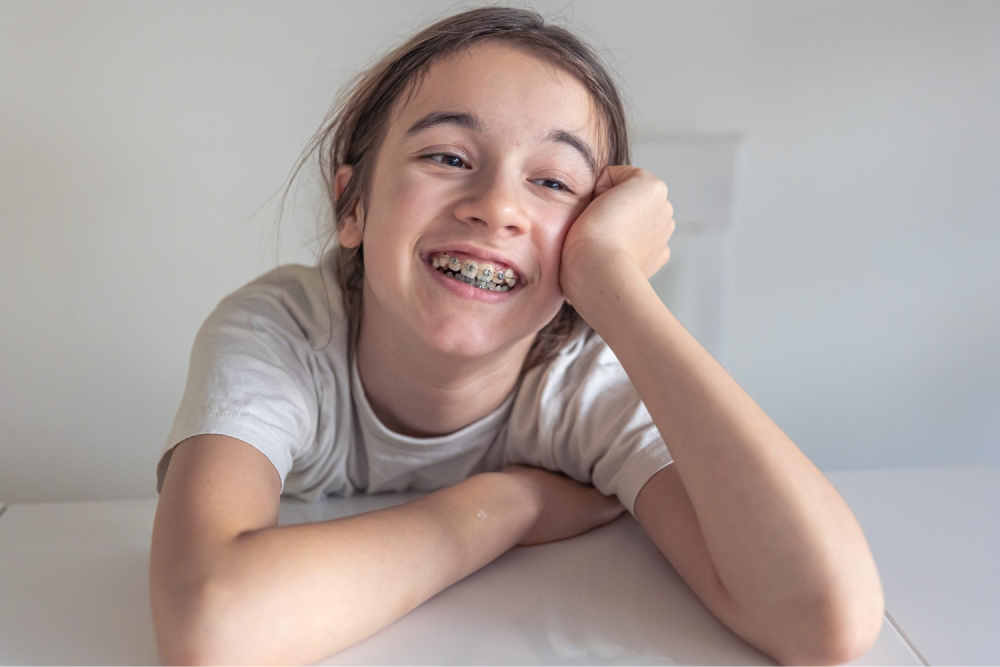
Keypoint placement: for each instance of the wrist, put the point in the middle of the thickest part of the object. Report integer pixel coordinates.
(579, 274)
(478, 519)
(519, 492)
(604, 289)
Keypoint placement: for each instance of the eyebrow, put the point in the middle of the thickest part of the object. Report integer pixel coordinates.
(473, 122)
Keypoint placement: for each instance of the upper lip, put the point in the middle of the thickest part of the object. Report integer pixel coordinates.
(482, 253)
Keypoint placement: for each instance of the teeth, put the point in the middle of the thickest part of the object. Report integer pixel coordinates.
(481, 284)
(476, 271)
(470, 269)
(485, 273)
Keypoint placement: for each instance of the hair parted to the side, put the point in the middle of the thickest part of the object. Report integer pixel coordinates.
(358, 122)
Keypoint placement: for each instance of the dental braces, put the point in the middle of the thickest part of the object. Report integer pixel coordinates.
(455, 265)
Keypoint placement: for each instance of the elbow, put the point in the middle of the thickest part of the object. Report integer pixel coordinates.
(183, 626)
(831, 650)
(860, 630)
(847, 632)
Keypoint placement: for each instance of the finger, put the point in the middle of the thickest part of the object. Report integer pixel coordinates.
(604, 182)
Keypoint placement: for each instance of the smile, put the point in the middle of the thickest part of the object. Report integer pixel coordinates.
(471, 287)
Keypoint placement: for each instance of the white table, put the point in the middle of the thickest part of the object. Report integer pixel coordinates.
(74, 586)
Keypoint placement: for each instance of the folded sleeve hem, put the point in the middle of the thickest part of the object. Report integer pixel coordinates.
(249, 429)
(639, 469)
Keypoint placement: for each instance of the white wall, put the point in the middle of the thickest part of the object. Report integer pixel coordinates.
(139, 140)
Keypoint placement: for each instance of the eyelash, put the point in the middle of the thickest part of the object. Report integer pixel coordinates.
(565, 188)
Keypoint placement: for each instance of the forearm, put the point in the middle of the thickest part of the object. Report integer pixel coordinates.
(295, 594)
(778, 533)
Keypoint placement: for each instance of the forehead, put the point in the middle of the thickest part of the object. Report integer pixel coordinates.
(519, 97)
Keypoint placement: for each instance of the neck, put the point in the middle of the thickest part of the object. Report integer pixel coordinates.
(421, 392)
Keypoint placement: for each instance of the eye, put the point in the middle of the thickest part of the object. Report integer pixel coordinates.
(448, 156)
(562, 186)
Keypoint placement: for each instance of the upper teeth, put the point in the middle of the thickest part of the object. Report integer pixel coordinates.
(480, 270)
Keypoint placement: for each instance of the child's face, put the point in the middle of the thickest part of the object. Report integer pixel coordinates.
(499, 195)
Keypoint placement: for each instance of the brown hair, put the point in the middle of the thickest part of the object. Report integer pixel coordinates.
(356, 126)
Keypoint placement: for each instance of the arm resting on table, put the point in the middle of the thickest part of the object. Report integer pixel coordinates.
(299, 593)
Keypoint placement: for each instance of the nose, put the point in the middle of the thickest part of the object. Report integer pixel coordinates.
(495, 201)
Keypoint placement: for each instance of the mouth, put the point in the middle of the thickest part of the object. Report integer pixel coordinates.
(469, 287)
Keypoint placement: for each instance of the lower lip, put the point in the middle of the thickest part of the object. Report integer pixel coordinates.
(467, 291)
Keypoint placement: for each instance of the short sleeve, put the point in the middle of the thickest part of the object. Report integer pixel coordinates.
(249, 377)
(583, 417)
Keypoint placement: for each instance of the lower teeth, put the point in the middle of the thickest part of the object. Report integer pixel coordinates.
(492, 287)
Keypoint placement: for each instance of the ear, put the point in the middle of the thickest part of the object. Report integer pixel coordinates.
(350, 226)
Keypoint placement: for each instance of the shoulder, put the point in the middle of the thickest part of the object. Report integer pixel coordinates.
(588, 351)
(294, 302)
(584, 367)
(583, 358)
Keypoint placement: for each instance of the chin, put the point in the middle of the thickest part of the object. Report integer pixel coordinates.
(466, 343)
(463, 342)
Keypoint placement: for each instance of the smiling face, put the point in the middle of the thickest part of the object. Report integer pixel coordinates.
(514, 177)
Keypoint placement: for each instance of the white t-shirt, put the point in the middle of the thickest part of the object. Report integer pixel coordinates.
(269, 366)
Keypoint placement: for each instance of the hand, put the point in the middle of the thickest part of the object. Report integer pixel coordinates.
(565, 508)
(629, 219)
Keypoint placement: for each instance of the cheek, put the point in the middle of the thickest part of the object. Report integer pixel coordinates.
(411, 192)
(549, 244)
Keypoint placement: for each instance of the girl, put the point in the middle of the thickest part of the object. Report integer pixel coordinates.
(483, 329)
